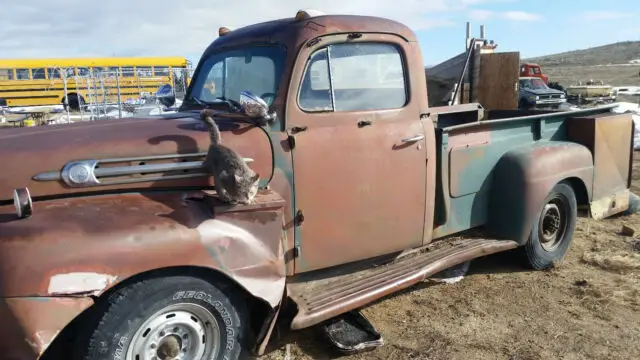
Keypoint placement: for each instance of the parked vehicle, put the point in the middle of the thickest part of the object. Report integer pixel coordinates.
(115, 245)
(533, 70)
(590, 92)
(534, 93)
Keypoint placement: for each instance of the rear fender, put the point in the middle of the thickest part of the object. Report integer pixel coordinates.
(523, 178)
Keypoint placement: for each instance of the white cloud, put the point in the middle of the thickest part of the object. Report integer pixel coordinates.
(66, 28)
(482, 15)
(521, 16)
(604, 15)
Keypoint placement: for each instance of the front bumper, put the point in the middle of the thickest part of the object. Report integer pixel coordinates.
(30, 324)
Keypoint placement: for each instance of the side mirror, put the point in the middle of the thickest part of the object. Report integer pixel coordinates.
(166, 96)
(253, 106)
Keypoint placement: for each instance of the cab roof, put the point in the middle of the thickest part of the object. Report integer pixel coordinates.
(291, 31)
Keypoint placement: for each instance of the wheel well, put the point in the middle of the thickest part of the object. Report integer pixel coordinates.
(258, 309)
(582, 195)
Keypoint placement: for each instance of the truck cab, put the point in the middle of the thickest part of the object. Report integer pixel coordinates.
(113, 238)
(533, 70)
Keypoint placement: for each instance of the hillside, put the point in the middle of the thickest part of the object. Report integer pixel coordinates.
(617, 53)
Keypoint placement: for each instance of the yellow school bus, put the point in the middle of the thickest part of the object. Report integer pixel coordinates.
(30, 82)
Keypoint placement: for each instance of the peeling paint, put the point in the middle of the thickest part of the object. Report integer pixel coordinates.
(41, 340)
(79, 283)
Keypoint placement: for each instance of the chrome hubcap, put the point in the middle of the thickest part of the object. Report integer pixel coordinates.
(177, 332)
(551, 225)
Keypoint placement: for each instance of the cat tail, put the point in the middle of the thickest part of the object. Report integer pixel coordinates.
(214, 131)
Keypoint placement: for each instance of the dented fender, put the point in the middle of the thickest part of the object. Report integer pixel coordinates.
(77, 247)
(84, 246)
(524, 176)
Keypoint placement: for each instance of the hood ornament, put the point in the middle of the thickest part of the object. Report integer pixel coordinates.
(22, 202)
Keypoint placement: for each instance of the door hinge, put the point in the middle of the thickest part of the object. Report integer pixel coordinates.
(296, 251)
(292, 141)
(299, 218)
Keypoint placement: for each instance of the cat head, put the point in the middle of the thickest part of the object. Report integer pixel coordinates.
(247, 186)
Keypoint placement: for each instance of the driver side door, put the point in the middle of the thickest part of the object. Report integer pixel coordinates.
(359, 159)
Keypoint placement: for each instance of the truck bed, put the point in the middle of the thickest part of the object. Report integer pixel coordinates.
(471, 142)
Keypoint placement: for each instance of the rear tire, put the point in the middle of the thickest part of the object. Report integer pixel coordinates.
(74, 101)
(552, 232)
(161, 318)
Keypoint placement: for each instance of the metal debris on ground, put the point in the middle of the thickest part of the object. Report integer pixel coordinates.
(352, 332)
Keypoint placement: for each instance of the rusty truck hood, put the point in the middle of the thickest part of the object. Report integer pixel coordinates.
(35, 157)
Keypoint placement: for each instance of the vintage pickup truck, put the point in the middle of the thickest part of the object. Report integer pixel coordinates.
(114, 245)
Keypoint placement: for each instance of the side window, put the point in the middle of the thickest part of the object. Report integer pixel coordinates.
(127, 71)
(362, 76)
(315, 92)
(83, 71)
(161, 71)
(143, 71)
(22, 74)
(6, 74)
(38, 74)
(53, 73)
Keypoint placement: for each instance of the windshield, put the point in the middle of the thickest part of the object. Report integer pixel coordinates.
(534, 84)
(226, 74)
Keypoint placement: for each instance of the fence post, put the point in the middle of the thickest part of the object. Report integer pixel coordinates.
(119, 99)
(63, 73)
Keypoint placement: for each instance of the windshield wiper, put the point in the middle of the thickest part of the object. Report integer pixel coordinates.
(232, 104)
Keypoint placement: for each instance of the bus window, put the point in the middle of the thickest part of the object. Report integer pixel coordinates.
(53, 73)
(144, 71)
(127, 71)
(83, 71)
(6, 74)
(161, 70)
(38, 74)
(22, 74)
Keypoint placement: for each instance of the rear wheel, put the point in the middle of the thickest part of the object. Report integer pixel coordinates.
(174, 317)
(74, 102)
(552, 231)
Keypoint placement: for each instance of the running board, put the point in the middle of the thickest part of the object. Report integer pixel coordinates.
(322, 299)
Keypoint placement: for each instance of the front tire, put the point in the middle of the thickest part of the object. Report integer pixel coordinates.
(176, 317)
(552, 232)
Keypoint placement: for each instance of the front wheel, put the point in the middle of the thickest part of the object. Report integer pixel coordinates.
(552, 231)
(174, 317)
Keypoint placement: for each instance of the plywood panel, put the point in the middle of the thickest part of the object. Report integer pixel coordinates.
(497, 87)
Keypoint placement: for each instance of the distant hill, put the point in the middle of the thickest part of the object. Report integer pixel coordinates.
(617, 53)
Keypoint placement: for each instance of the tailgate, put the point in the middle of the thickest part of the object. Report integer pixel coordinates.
(609, 136)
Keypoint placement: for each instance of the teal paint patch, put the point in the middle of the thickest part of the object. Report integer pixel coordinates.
(38, 298)
(284, 162)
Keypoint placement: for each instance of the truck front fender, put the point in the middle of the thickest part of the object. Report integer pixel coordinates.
(73, 248)
(84, 246)
(523, 178)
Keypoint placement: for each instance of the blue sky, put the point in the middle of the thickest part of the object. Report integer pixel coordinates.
(63, 28)
(550, 27)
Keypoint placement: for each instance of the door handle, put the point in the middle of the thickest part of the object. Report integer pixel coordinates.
(413, 138)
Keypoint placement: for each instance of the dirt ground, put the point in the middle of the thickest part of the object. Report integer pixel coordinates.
(586, 308)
